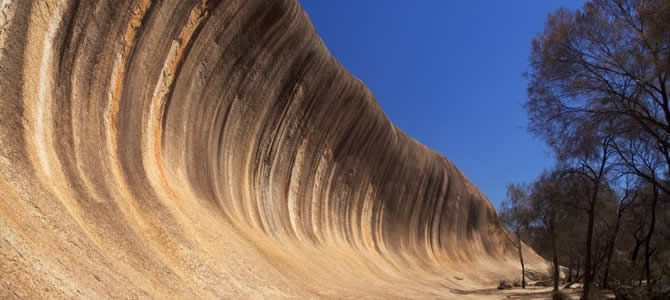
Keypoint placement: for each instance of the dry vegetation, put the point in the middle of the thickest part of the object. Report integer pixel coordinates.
(598, 95)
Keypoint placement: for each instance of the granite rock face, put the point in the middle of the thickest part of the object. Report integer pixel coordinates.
(215, 149)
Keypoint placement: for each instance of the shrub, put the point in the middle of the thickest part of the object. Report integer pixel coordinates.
(504, 285)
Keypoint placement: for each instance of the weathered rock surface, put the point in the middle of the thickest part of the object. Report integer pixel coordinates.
(215, 149)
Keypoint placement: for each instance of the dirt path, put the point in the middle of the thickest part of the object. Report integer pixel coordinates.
(530, 293)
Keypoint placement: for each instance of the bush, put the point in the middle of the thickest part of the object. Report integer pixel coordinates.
(504, 285)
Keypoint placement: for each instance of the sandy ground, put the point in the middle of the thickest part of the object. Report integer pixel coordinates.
(530, 293)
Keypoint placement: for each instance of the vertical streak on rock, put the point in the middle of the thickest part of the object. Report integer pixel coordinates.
(129, 206)
(239, 160)
(293, 194)
(317, 199)
(44, 133)
(152, 156)
(39, 103)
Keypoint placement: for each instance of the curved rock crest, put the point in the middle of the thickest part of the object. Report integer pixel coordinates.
(215, 149)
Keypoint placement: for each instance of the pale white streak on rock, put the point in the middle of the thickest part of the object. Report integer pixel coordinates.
(366, 218)
(317, 192)
(38, 87)
(293, 196)
(43, 132)
(325, 215)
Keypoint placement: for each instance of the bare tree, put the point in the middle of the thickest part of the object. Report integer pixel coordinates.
(599, 76)
(626, 197)
(585, 162)
(644, 231)
(515, 214)
(545, 199)
(643, 158)
(608, 63)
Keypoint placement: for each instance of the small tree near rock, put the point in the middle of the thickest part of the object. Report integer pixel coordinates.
(515, 215)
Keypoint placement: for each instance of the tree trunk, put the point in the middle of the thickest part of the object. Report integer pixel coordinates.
(647, 268)
(612, 243)
(647, 242)
(555, 261)
(588, 275)
(636, 250)
(588, 272)
(607, 264)
(523, 268)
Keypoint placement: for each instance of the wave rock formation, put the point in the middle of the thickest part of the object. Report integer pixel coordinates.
(215, 149)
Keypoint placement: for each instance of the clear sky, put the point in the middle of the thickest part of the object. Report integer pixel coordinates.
(449, 73)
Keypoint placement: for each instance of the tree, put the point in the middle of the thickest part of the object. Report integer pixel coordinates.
(646, 224)
(642, 158)
(515, 214)
(607, 63)
(585, 165)
(599, 79)
(625, 198)
(545, 198)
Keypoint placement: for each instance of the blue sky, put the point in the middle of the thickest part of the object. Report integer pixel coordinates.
(449, 73)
